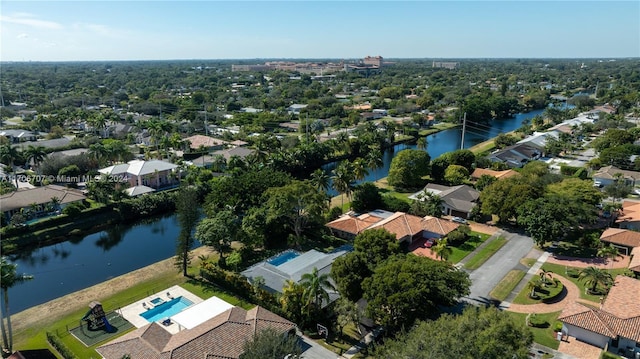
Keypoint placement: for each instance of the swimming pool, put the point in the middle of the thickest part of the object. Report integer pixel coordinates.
(166, 309)
(157, 301)
(283, 258)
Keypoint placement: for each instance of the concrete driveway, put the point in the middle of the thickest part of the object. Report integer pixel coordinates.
(313, 350)
(485, 278)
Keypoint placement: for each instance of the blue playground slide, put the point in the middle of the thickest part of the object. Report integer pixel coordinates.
(107, 327)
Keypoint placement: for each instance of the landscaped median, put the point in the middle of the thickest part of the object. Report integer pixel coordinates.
(485, 253)
(507, 285)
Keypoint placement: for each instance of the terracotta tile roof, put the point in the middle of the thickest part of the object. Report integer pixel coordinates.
(622, 300)
(478, 172)
(222, 336)
(401, 224)
(621, 237)
(634, 264)
(205, 141)
(619, 315)
(438, 225)
(353, 225)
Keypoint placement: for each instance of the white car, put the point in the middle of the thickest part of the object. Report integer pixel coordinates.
(459, 220)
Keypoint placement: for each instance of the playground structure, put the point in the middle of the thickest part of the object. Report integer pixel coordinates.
(96, 318)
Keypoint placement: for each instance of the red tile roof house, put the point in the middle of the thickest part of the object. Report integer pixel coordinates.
(222, 336)
(634, 263)
(196, 142)
(615, 325)
(623, 239)
(406, 227)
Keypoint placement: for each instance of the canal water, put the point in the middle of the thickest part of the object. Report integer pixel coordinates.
(74, 265)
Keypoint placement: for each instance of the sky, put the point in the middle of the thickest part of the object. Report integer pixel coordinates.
(167, 30)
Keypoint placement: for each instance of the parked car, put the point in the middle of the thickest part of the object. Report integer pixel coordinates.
(597, 184)
(459, 220)
(430, 242)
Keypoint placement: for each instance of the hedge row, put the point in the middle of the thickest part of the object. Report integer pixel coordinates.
(58, 345)
(239, 285)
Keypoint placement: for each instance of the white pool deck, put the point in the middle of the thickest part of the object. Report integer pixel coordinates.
(132, 311)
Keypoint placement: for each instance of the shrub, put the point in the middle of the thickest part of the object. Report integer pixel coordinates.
(534, 321)
(58, 345)
(394, 204)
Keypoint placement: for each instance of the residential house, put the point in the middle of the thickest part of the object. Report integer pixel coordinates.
(539, 139)
(406, 227)
(241, 152)
(629, 216)
(517, 155)
(275, 272)
(622, 239)
(222, 336)
(155, 174)
(607, 175)
(634, 263)
(296, 108)
(198, 142)
(615, 325)
(457, 201)
(17, 136)
(38, 201)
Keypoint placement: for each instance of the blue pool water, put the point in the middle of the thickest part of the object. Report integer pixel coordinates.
(157, 301)
(283, 258)
(166, 309)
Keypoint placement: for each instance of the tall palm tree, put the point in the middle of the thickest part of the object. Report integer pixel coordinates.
(320, 179)
(8, 280)
(593, 277)
(374, 159)
(8, 156)
(291, 299)
(442, 249)
(315, 288)
(422, 143)
(35, 154)
(359, 169)
(343, 180)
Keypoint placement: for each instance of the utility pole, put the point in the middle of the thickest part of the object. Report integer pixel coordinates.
(464, 126)
(206, 126)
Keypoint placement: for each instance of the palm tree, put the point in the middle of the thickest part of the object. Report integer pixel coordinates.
(359, 169)
(320, 179)
(315, 288)
(593, 276)
(8, 280)
(291, 299)
(422, 143)
(35, 154)
(8, 156)
(343, 180)
(533, 286)
(442, 249)
(374, 159)
(544, 274)
(608, 252)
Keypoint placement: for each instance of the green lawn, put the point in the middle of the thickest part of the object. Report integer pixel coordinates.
(459, 252)
(524, 298)
(561, 270)
(544, 336)
(485, 253)
(507, 284)
(35, 338)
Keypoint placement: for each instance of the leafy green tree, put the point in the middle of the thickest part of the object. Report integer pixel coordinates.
(464, 158)
(504, 140)
(593, 277)
(400, 282)
(299, 202)
(576, 190)
(503, 198)
(407, 169)
(366, 197)
(188, 213)
(548, 218)
(476, 333)
(292, 300)
(484, 181)
(618, 189)
(8, 280)
(375, 246)
(269, 343)
(348, 272)
(218, 231)
(456, 175)
(608, 252)
(427, 204)
(347, 313)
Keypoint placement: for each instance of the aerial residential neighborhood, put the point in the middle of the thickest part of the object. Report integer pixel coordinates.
(319, 180)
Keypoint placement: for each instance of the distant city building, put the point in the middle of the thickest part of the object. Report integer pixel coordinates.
(376, 61)
(445, 65)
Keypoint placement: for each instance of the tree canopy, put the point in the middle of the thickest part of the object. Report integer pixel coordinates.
(407, 169)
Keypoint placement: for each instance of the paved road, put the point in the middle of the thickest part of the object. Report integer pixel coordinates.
(485, 278)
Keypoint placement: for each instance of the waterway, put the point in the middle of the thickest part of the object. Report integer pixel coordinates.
(67, 267)
(70, 266)
(447, 141)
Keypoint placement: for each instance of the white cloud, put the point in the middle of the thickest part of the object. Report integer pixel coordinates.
(30, 20)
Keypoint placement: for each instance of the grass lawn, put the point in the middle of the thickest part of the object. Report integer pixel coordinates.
(528, 262)
(544, 336)
(574, 250)
(341, 343)
(507, 284)
(561, 270)
(524, 298)
(485, 253)
(459, 252)
(35, 337)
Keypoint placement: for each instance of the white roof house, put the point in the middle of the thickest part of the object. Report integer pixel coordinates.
(138, 167)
